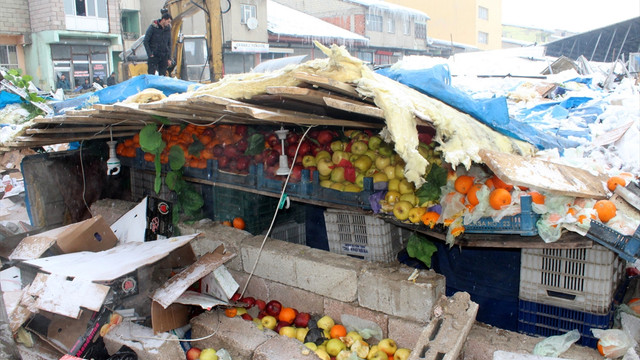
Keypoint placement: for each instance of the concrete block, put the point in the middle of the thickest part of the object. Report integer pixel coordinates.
(239, 337)
(331, 275)
(283, 348)
(256, 288)
(335, 310)
(298, 299)
(387, 289)
(277, 260)
(214, 234)
(404, 332)
(142, 340)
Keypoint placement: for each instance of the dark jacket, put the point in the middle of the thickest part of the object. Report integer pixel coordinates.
(157, 40)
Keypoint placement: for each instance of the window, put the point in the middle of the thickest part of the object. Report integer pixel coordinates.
(391, 26)
(89, 8)
(374, 22)
(406, 27)
(483, 37)
(365, 56)
(8, 56)
(421, 31)
(247, 12)
(130, 24)
(483, 13)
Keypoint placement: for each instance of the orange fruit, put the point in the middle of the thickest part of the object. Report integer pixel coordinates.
(604, 350)
(615, 181)
(226, 223)
(456, 231)
(238, 223)
(287, 315)
(471, 194)
(430, 218)
(470, 207)
(231, 312)
(499, 198)
(489, 183)
(463, 183)
(634, 304)
(606, 210)
(337, 331)
(582, 218)
(499, 184)
(537, 198)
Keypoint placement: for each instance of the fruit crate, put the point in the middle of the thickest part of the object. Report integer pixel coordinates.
(359, 199)
(225, 177)
(292, 232)
(362, 236)
(548, 320)
(202, 174)
(579, 279)
(256, 210)
(628, 247)
(142, 185)
(301, 189)
(523, 224)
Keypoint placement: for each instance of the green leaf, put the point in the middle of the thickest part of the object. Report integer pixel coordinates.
(151, 139)
(176, 157)
(162, 119)
(157, 184)
(421, 248)
(256, 144)
(430, 190)
(190, 199)
(171, 180)
(196, 147)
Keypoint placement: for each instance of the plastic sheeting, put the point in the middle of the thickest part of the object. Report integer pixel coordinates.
(493, 112)
(120, 92)
(7, 98)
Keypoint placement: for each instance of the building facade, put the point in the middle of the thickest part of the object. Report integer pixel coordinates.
(14, 33)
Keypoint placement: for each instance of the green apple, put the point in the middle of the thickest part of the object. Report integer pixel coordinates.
(371, 154)
(360, 347)
(308, 161)
(382, 162)
(334, 346)
(406, 187)
(416, 213)
(380, 177)
(363, 163)
(208, 354)
(326, 183)
(337, 186)
(360, 180)
(324, 166)
(400, 170)
(338, 156)
(392, 197)
(388, 346)
(311, 345)
(362, 136)
(374, 142)
(337, 146)
(385, 149)
(390, 170)
(377, 355)
(350, 187)
(258, 323)
(344, 355)
(269, 322)
(402, 354)
(324, 177)
(337, 174)
(288, 331)
(323, 154)
(410, 197)
(301, 333)
(354, 335)
(325, 323)
(359, 147)
(401, 211)
(394, 185)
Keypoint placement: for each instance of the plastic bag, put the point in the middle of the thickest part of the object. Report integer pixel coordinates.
(613, 343)
(368, 329)
(554, 346)
(223, 354)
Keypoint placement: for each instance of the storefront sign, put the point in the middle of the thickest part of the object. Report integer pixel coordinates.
(249, 47)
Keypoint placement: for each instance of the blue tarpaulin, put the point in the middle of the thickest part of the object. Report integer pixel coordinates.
(119, 92)
(493, 112)
(7, 98)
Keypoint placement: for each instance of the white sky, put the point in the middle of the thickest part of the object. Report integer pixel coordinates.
(572, 15)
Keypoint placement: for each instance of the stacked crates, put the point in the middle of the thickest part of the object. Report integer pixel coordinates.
(566, 289)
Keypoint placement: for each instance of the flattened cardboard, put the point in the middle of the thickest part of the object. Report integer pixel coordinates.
(58, 295)
(177, 285)
(173, 317)
(205, 301)
(219, 284)
(150, 220)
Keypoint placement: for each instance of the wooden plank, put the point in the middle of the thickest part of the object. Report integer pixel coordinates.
(41, 141)
(611, 136)
(349, 106)
(544, 175)
(329, 84)
(311, 96)
(569, 240)
(75, 129)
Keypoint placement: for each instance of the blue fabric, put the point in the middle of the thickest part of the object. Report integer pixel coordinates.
(493, 112)
(7, 98)
(123, 90)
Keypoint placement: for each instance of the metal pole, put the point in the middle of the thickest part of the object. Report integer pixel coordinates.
(623, 41)
(595, 47)
(609, 48)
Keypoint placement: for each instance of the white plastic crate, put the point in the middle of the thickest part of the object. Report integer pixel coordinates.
(362, 236)
(292, 232)
(577, 279)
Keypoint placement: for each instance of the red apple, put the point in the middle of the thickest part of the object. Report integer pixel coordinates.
(292, 138)
(270, 157)
(280, 325)
(273, 308)
(249, 301)
(218, 150)
(260, 304)
(242, 130)
(231, 151)
(193, 353)
(296, 173)
(325, 137)
(262, 314)
(242, 163)
(302, 319)
(246, 317)
(236, 297)
(305, 148)
(242, 145)
(272, 140)
(223, 162)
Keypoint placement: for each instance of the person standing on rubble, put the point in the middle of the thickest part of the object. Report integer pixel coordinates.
(157, 43)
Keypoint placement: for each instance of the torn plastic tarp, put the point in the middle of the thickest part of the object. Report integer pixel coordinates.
(120, 92)
(493, 112)
(7, 98)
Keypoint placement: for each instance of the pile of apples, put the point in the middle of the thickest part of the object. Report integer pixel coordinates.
(196, 353)
(321, 335)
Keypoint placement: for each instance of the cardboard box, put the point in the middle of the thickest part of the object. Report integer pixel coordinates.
(151, 219)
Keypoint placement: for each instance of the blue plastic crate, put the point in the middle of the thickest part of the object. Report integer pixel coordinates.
(302, 189)
(628, 247)
(359, 199)
(221, 176)
(256, 210)
(523, 224)
(549, 320)
(202, 174)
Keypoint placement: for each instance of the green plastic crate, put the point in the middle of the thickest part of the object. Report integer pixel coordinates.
(256, 210)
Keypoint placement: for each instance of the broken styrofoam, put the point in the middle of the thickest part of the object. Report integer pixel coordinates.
(505, 355)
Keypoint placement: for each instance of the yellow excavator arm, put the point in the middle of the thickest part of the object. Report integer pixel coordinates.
(179, 10)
